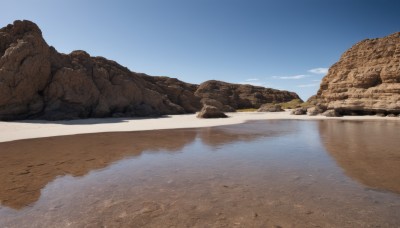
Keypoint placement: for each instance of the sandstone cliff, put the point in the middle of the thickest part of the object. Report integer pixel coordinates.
(366, 79)
(37, 82)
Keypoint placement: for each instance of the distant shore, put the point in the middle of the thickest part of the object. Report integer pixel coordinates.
(29, 129)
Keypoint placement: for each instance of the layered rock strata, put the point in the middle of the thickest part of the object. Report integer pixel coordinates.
(366, 79)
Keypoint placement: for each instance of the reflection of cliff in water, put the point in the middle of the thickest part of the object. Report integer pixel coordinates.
(368, 151)
(26, 166)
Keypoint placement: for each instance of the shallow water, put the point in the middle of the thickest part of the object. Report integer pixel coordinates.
(282, 173)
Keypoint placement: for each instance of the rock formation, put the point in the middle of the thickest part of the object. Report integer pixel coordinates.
(209, 111)
(270, 108)
(178, 92)
(366, 79)
(299, 111)
(317, 109)
(229, 97)
(331, 113)
(37, 82)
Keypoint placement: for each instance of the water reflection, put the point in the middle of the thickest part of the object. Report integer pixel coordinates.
(257, 174)
(368, 152)
(26, 166)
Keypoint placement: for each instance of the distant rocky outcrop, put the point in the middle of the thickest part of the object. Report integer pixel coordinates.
(37, 82)
(366, 79)
(229, 97)
(209, 111)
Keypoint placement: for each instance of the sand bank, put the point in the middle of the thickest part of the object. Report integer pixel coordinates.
(10, 131)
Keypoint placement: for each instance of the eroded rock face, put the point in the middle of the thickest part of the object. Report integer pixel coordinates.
(366, 80)
(177, 91)
(37, 82)
(228, 96)
(24, 70)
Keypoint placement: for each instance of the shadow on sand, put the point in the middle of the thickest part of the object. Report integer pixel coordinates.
(90, 121)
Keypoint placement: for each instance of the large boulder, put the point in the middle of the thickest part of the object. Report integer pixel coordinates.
(366, 79)
(299, 111)
(270, 108)
(331, 113)
(209, 111)
(317, 109)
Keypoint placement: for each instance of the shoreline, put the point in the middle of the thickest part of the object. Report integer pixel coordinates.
(30, 129)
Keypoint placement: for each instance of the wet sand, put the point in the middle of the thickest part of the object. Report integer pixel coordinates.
(269, 173)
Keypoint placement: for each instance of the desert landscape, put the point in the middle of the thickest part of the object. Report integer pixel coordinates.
(87, 142)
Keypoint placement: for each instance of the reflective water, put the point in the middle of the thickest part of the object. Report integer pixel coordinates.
(258, 174)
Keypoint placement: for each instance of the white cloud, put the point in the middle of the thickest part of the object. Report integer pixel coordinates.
(316, 80)
(320, 70)
(252, 83)
(294, 77)
(308, 85)
(252, 79)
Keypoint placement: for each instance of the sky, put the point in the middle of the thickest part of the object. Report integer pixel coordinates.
(281, 44)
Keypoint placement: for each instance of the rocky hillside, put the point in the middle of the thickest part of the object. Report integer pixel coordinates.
(37, 82)
(229, 97)
(366, 80)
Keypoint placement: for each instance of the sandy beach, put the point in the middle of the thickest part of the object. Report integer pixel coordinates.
(10, 131)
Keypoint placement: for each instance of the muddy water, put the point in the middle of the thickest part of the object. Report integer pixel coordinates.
(258, 174)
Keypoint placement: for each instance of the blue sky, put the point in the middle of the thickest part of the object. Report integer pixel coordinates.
(277, 43)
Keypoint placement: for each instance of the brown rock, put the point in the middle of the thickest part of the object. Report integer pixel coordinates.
(177, 91)
(209, 111)
(37, 82)
(270, 108)
(24, 70)
(366, 79)
(331, 113)
(317, 109)
(236, 96)
(313, 111)
(298, 111)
